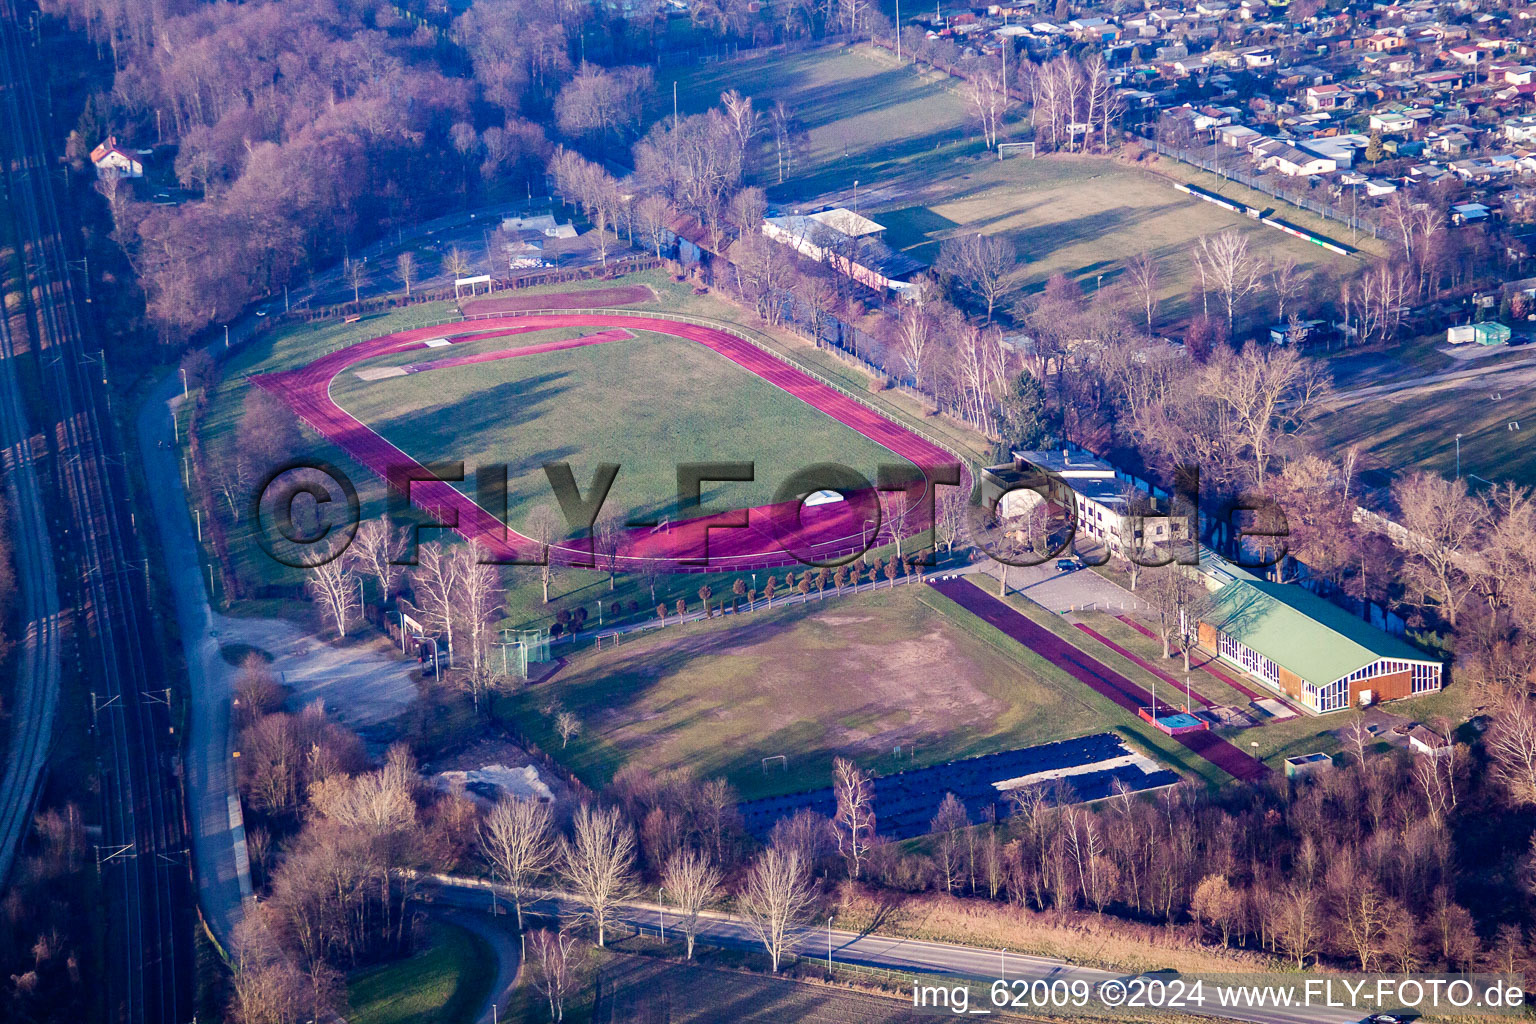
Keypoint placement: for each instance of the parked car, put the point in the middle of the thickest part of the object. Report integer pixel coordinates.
(1066, 564)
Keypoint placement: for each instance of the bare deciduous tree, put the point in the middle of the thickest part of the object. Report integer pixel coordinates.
(334, 586)
(1443, 523)
(1141, 271)
(545, 530)
(1228, 264)
(436, 582)
(653, 214)
(558, 957)
(1267, 395)
(981, 264)
(568, 726)
(776, 899)
(405, 265)
(692, 881)
(854, 823)
(598, 862)
(375, 550)
(1512, 745)
(515, 837)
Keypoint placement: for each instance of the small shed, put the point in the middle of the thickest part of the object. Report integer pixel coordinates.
(1485, 333)
(1428, 742)
(1302, 766)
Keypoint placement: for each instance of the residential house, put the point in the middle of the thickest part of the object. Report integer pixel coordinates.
(1329, 97)
(1290, 161)
(113, 161)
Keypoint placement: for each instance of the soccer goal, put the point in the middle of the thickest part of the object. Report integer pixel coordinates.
(1004, 148)
(779, 761)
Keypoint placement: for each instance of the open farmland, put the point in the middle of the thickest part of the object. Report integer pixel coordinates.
(906, 137)
(855, 677)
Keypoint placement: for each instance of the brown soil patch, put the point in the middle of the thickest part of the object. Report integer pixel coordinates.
(623, 295)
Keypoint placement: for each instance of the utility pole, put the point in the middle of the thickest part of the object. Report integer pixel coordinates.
(898, 31)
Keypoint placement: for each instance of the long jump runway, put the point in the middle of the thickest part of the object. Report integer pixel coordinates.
(771, 532)
(1096, 675)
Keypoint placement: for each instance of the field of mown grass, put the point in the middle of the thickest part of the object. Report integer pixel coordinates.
(866, 117)
(648, 403)
(644, 399)
(856, 676)
(1417, 430)
(906, 136)
(444, 983)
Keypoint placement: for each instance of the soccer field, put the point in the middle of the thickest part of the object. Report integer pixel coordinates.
(852, 677)
(649, 403)
(907, 138)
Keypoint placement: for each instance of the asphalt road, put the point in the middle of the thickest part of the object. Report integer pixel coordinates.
(927, 962)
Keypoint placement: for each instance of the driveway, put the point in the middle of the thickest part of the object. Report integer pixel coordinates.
(1063, 592)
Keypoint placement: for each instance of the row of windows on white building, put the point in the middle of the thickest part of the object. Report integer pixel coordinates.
(1332, 696)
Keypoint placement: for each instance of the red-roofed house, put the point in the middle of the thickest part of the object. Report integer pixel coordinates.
(113, 161)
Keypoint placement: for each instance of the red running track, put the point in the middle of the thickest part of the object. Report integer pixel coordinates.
(513, 353)
(1208, 667)
(1097, 676)
(769, 536)
(1137, 659)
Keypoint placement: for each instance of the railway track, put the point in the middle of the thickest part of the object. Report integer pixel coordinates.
(36, 694)
(142, 852)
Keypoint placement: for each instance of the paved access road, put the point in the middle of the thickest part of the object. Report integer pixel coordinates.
(919, 958)
(1093, 673)
(218, 832)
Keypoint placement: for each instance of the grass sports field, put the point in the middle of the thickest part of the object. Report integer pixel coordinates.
(647, 402)
(715, 699)
(906, 137)
(748, 422)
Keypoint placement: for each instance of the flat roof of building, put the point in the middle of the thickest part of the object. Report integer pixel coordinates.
(1299, 631)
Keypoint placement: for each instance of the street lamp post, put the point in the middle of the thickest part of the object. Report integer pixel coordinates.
(830, 919)
(661, 918)
(1458, 456)
(183, 382)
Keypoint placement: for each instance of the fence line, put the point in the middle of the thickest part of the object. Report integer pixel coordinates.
(1261, 184)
